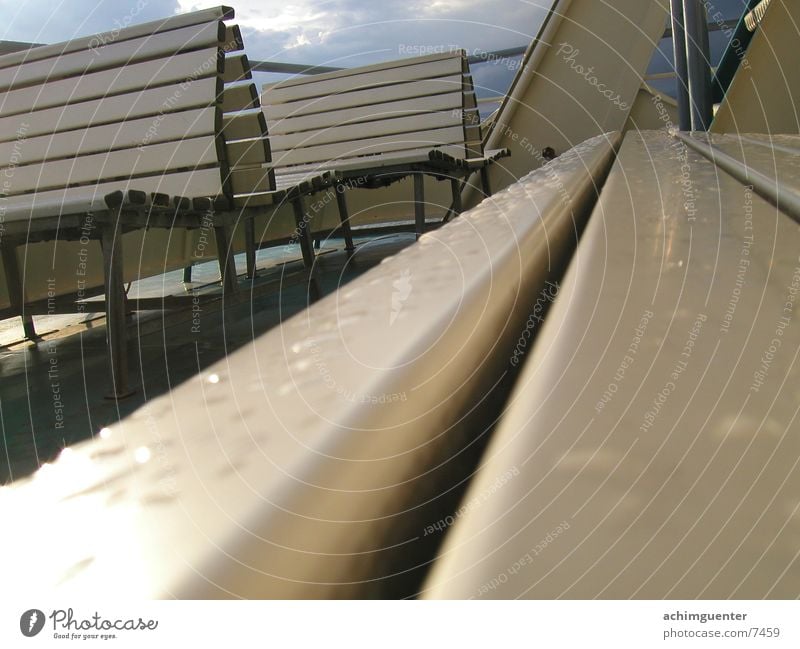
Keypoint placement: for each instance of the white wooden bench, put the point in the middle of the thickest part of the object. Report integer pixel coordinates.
(377, 124)
(154, 126)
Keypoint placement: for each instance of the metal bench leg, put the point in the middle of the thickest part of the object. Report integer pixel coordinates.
(303, 232)
(16, 291)
(344, 217)
(227, 267)
(187, 275)
(250, 246)
(419, 204)
(306, 246)
(116, 330)
(455, 206)
(485, 184)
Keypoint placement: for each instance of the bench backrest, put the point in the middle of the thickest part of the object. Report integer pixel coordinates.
(155, 107)
(415, 103)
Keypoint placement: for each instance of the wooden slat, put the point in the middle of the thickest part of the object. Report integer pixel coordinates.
(355, 133)
(250, 181)
(237, 68)
(133, 31)
(114, 55)
(201, 182)
(377, 67)
(153, 159)
(244, 125)
(400, 91)
(381, 111)
(233, 39)
(110, 137)
(107, 110)
(138, 76)
(239, 97)
(245, 153)
(385, 144)
(277, 94)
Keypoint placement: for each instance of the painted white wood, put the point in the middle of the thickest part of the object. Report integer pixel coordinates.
(243, 125)
(130, 78)
(355, 133)
(200, 182)
(239, 96)
(376, 67)
(237, 68)
(110, 137)
(152, 159)
(246, 153)
(354, 98)
(131, 32)
(114, 55)
(384, 144)
(114, 109)
(277, 93)
(362, 114)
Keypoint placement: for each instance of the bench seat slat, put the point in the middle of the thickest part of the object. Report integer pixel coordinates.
(201, 182)
(152, 159)
(341, 150)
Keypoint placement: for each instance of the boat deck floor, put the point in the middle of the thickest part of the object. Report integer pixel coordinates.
(52, 391)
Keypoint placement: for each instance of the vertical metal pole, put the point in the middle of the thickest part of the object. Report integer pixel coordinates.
(116, 330)
(250, 246)
(307, 247)
(697, 64)
(227, 265)
(455, 188)
(419, 204)
(16, 291)
(303, 232)
(679, 59)
(486, 186)
(344, 217)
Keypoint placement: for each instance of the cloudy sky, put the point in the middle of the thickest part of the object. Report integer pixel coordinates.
(340, 33)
